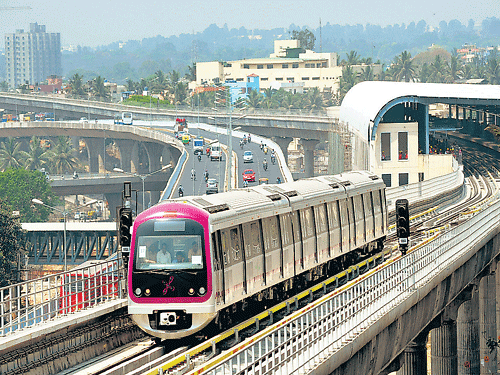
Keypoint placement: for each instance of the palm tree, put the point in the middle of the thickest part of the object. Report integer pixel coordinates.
(254, 99)
(62, 156)
(352, 58)
(424, 73)
(454, 68)
(367, 73)
(493, 70)
(11, 155)
(347, 81)
(439, 70)
(98, 89)
(37, 156)
(315, 100)
(403, 69)
(191, 73)
(76, 85)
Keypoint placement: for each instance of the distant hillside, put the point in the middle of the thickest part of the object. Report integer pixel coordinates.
(136, 59)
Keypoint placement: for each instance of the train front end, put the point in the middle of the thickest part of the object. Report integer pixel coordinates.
(170, 292)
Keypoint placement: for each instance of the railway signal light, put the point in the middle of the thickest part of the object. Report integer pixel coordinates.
(403, 223)
(124, 226)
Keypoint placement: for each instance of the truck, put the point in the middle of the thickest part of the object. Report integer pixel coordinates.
(198, 146)
(215, 151)
(180, 125)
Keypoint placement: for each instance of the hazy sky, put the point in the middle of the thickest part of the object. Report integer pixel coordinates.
(100, 22)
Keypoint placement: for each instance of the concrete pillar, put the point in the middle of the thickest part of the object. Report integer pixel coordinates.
(415, 357)
(335, 153)
(154, 151)
(95, 147)
(283, 142)
(487, 323)
(309, 145)
(444, 349)
(468, 336)
(114, 201)
(129, 154)
(167, 157)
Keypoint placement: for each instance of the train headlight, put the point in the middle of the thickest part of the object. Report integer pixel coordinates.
(202, 291)
(147, 292)
(191, 291)
(137, 291)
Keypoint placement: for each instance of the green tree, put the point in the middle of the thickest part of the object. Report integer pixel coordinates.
(367, 73)
(19, 186)
(99, 90)
(11, 155)
(62, 156)
(4, 86)
(254, 99)
(439, 70)
(314, 100)
(346, 82)
(38, 156)
(493, 70)
(424, 73)
(352, 58)
(12, 245)
(306, 38)
(403, 68)
(76, 85)
(191, 73)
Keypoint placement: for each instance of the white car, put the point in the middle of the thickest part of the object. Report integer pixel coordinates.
(248, 157)
(84, 120)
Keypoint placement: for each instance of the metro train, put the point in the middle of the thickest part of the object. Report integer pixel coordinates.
(198, 259)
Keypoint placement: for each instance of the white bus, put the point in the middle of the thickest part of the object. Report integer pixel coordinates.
(127, 118)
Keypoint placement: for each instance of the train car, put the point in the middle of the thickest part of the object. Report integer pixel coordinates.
(200, 259)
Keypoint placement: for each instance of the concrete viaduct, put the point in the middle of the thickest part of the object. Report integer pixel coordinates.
(282, 128)
(158, 149)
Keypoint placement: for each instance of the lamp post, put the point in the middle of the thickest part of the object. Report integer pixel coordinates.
(142, 177)
(65, 214)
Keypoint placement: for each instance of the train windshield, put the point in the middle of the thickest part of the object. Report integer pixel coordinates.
(169, 245)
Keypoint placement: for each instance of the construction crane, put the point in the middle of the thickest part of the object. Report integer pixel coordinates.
(14, 8)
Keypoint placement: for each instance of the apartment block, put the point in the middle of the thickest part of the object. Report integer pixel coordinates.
(32, 56)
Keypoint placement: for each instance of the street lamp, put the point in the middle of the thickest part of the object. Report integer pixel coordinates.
(65, 214)
(142, 177)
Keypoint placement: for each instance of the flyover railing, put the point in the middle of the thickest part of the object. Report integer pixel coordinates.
(31, 303)
(329, 326)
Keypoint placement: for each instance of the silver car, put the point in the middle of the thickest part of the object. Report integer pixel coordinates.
(248, 157)
(212, 186)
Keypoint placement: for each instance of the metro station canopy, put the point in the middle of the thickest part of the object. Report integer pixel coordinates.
(365, 105)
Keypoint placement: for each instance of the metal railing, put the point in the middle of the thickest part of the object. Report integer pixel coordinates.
(305, 339)
(34, 302)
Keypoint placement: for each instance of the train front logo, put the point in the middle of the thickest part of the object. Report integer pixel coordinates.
(168, 285)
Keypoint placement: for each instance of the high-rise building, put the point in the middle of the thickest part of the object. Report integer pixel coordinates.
(31, 57)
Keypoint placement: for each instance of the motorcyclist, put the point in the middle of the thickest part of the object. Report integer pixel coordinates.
(273, 157)
(181, 191)
(199, 157)
(245, 183)
(264, 164)
(241, 143)
(278, 180)
(244, 138)
(205, 175)
(261, 145)
(249, 138)
(193, 174)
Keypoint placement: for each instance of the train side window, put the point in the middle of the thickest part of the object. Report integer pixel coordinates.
(256, 238)
(357, 207)
(350, 210)
(271, 233)
(296, 226)
(333, 215)
(307, 222)
(226, 254)
(344, 212)
(235, 244)
(319, 214)
(367, 201)
(286, 229)
(376, 202)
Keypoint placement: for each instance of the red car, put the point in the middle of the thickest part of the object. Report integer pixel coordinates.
(249, 175)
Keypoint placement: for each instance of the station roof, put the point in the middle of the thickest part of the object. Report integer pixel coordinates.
(367, 102)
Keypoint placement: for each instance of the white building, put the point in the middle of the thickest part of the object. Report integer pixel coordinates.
(289, 67)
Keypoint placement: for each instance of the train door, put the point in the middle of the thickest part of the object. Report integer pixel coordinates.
(334, 228)
(297, 241)
(288, 256)
(254, 256)
(346, 227)
(234, 276)
(308, 237)
(322, 234)
(218, 268)
(377, 214)
(272, 249)
(369, 217)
